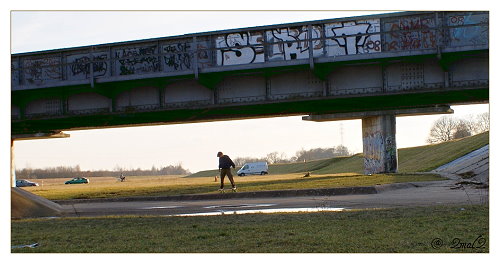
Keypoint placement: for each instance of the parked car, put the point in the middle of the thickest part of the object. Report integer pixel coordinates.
(25, 183)
(253, 168)
(77, 180)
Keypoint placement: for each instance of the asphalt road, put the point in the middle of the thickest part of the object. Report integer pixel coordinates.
(421, 194)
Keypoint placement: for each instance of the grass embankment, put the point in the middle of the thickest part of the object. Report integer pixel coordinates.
(163, 186)
(328, 173)
(415, 159)
(391, 230)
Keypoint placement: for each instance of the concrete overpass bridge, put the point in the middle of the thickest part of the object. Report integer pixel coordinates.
(371, 67)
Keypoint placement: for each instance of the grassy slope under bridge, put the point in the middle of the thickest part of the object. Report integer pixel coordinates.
(328, 173)
(414, 159)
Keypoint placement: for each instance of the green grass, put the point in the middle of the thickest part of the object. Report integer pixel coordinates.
(140, 186)
(388, 230)
(327, 173)
(332, 181)
(415, 159)
(429, 157)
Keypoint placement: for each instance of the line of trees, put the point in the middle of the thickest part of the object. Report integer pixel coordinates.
(271, 158)
(300, 156)
(75, 171)
(449, 128)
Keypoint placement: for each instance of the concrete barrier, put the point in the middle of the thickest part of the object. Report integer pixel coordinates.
(26, 205)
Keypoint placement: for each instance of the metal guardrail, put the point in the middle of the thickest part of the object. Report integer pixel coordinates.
(307, 42)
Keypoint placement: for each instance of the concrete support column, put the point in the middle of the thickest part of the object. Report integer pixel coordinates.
(12, 165)
(379, 144)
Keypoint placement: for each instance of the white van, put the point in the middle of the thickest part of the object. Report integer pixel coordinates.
(253, 168)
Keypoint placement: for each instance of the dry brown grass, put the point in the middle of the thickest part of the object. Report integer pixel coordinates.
(109, 187)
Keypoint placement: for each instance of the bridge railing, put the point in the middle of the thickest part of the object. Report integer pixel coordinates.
(281, 45)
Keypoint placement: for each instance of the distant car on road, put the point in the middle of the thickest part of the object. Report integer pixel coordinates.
(25, 183)
(77, 180)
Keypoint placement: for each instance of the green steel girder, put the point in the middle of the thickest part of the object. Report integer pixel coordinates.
(318, 106)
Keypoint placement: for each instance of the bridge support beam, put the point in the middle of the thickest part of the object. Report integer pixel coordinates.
(379, 144)
(379, 134)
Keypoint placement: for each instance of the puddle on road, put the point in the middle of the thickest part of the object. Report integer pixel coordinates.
(238, 206)
(265, 211)
(160, 207)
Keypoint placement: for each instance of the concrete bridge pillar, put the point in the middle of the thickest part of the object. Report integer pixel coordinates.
(12, 165)
(379, 144)
(379, 133)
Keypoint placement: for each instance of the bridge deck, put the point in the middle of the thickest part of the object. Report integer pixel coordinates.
(283, 69)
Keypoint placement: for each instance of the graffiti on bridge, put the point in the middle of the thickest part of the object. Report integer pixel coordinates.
(353, 37)
(137, 60)
(410, 33)
(293, 43)
(14, 65)
(176, 56)
(39, 70)
(79, 66)
(475, 35)
(234, 48)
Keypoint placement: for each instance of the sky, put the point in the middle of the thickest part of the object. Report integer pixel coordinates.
(192, 145)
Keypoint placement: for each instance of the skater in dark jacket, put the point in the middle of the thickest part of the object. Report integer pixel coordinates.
(225, 164)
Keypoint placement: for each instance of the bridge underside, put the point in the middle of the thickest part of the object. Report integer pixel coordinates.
(233, 112)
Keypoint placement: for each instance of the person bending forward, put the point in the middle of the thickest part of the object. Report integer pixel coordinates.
(225, 164)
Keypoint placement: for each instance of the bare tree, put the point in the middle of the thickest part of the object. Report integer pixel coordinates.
(276, 157)
(483, 122)
(272, 157)
(447, 128)
(463, 129)
(442, 130)
(240, 161)
(475, 124)
(300, 156)
(342, 150)
(469, 123)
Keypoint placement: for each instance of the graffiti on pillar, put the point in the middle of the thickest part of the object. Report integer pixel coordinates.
(380, 153)
(373, 145)
(353, 37)
(137, 60)
(176, 56)
(390, 153)
(79, 66)
(410, 33)
(468, 35)
(233, 49)
(293, 43)
(40, 70)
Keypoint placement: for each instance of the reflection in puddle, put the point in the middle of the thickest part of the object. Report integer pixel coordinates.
(160, 207)
(239, 205)
(266, 211)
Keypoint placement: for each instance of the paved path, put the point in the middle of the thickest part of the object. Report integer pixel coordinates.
(476, 165)
(388, 196)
